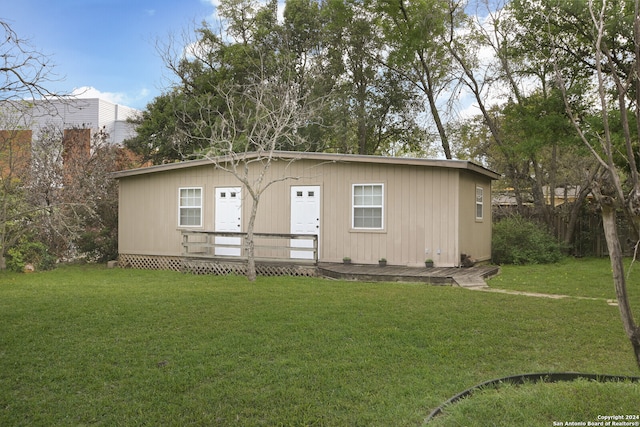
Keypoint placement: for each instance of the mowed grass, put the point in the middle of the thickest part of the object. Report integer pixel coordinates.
(84, 345)
(581, 402)
(584, 277)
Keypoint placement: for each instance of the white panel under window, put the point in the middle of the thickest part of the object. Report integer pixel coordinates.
(479, 203)
(190, 207)
(368, 202)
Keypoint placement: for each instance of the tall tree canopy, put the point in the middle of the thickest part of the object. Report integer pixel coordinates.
(590, 51)
(333, 49)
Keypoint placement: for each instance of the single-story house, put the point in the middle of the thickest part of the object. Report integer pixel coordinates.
(405, 210)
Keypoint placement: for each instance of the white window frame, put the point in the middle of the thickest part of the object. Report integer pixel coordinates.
(370, 206)
(479, 203)
(181, 207)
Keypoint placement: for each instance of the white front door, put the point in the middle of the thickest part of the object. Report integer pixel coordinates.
(305, 218)
(228, 215)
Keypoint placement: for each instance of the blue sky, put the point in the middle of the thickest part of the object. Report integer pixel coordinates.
(107, 46)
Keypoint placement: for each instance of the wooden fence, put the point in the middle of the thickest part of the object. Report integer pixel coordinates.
(588, 236)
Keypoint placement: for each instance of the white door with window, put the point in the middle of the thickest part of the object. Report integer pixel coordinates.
(305, 218)
(228, 217)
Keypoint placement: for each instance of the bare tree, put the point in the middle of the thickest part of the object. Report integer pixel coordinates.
(618, 188)
(25, 72)
(260, 117)
(58, 192)
(90, 196)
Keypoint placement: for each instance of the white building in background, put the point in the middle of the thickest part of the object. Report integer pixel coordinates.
(78, 113)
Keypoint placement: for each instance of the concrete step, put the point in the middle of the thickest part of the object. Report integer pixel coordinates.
(470, 282)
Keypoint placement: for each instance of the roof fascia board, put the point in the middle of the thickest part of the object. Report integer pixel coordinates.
(299, 155)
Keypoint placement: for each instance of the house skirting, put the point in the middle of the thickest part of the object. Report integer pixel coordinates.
(150, 262)
(216, 266)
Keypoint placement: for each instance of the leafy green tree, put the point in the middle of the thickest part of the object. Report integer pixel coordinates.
(13, 209)
(156, 138)
(208, 61)
(377, 109)
(539, 153)
(414, 33)
(529, 138)
(537, 129)
(303, 32)
(333, 51)
(611, 45)
(201, 67)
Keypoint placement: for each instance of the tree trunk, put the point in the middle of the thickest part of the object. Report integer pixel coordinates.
(619, 281)
(249, 243)
(576, 206)
(424, 70)
(435, 113)
(574, 214)
(543, 208)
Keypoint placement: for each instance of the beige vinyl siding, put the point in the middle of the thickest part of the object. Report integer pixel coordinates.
(148, 216)
(475, 234)
(414, 198)
(440, 216)
(423, 208)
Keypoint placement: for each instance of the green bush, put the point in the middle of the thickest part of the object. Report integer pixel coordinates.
(99, 245)
(520, 241)
(34, 253)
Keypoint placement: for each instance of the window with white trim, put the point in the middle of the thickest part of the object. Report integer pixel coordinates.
(479, 203)
(368, 206)
(190, 207)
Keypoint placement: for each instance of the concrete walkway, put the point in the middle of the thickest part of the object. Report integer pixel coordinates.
(469, 278)
(486, 288)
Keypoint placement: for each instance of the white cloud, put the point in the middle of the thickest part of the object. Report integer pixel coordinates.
(92, 92)
(120, 98)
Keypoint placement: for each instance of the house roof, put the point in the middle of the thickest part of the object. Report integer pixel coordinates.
(326, 157)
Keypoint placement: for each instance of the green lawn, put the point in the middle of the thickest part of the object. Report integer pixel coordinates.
(84, 345)
(579, 401)
(586, 277)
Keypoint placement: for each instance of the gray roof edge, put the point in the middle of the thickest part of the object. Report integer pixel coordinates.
(301, 155)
